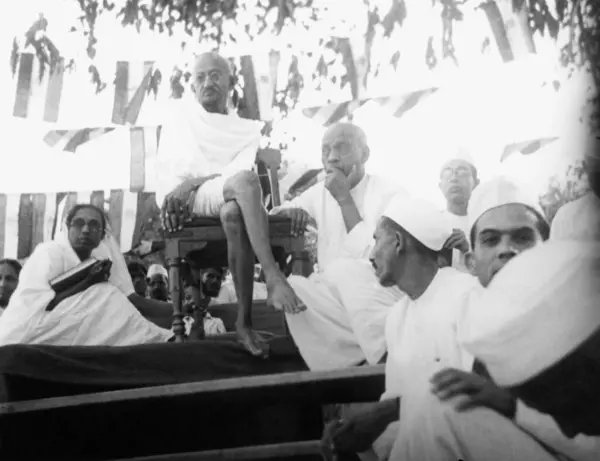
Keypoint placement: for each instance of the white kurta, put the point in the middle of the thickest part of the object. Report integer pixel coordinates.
(99, 316)
(197, 143)
(462, 223)
(421, 337)
(346, 306)
(432, 430)
(578, 220)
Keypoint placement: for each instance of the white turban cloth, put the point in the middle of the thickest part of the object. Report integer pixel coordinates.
(539, 308)
(497, 192)
(421, 219)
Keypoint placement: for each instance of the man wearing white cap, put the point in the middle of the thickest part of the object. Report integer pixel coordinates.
(462, 415)
(458, 178)
(505, 220)
(421, 328)
(158, 282)
(343, 324)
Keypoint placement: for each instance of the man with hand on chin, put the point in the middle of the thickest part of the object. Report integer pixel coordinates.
(458, 179)
(343, 324)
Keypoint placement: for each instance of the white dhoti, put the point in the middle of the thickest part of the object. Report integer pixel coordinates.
(209, 198)
(432, 430)
(344, 322)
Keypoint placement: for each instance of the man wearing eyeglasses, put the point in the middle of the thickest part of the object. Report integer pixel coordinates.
(458, 178)
(204, 168)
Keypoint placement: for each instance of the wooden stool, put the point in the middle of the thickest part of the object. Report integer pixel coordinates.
(202, 234)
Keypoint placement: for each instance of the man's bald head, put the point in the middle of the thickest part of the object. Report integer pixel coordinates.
(212, 81)
(348, 131)
(344, 147)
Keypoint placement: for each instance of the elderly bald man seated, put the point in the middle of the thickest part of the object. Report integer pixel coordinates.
(204, 168)
(343, 324)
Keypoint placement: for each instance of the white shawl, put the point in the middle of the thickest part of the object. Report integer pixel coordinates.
(194, 142)
(100, 315)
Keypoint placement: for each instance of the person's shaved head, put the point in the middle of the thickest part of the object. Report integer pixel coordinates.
(348, 131)
(212, 81)
(345, 148)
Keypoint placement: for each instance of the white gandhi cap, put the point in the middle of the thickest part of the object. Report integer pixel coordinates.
(421, 219)
(539, 308)
(497, 192)
(155, 269)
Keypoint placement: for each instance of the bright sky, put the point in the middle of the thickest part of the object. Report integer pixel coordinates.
(483, 107)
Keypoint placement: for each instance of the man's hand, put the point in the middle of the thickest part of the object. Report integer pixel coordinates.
(358, 432)
(338, 184)
(458, 241)
(474, 391)
(299, 218)
(175, 208)
(270, 157)
(99, 273)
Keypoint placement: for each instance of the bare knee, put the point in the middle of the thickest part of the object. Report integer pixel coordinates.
(231, 214)
(245, 182)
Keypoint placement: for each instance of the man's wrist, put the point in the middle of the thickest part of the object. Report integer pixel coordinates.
(346, 200)
(510, 407)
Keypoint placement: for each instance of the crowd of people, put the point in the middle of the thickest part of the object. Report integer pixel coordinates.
(492, 354)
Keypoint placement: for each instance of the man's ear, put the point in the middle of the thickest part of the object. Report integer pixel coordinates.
(470, 262)
(400, 242)
(366, 154)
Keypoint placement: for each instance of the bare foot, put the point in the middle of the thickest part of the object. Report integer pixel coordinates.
(281, 296)
(252, 342)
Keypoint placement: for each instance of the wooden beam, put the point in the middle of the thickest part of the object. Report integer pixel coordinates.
(259, 452)
(322, 384)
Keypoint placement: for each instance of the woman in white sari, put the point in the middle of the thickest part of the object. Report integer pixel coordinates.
(97, 311)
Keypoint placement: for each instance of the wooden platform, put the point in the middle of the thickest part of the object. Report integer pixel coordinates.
(185, 418)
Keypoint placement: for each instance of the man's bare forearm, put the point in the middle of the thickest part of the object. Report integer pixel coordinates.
(350, 213)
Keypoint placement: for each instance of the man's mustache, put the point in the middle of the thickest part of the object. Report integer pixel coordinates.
(213, 88)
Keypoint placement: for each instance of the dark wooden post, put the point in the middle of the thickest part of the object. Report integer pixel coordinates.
(174, 264)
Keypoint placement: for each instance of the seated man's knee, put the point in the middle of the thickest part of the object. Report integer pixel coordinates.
(231, 214)
(242, 182)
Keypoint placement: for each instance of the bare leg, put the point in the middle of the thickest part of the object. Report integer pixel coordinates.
(244, 188)
(241, 263)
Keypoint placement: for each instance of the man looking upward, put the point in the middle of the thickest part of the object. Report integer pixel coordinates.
(458, 178)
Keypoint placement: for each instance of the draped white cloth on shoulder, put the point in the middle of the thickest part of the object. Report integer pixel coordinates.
(194, 142)
(99, 316)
